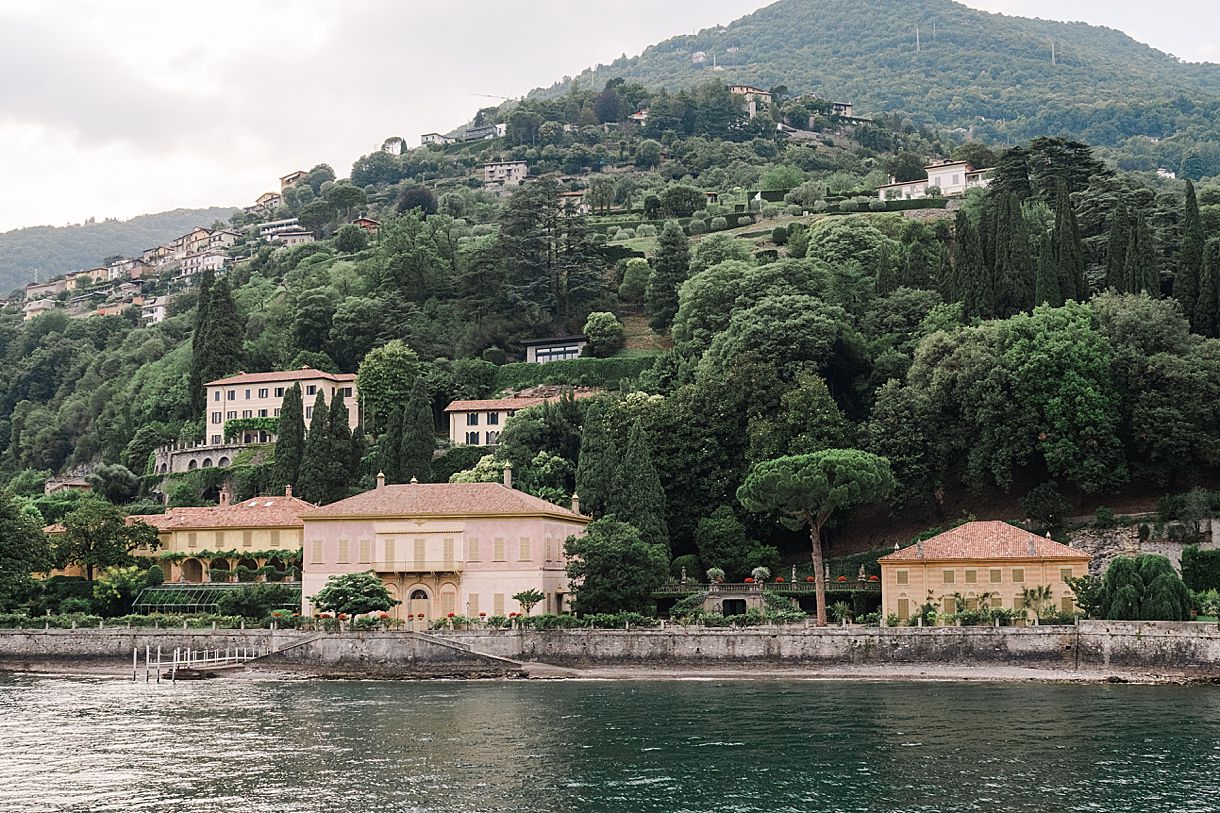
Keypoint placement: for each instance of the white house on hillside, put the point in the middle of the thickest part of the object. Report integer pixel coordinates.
(952, 178)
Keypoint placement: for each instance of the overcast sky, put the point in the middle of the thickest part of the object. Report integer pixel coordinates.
(133, 106)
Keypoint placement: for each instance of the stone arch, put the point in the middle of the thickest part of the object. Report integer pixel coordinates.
(192, 570)
(223, 462)
(164, 468)
(207, 462)
(247, 565)
(191, 465)
(219, 570)
(419, 602)
(398, 610)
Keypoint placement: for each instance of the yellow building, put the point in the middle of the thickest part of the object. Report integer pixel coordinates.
(989, 563)
(210, 544)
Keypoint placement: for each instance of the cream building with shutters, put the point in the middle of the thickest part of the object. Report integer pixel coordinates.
(991, 562)
(461, 548)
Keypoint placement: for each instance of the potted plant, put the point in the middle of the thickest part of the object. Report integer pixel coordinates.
(715, 575)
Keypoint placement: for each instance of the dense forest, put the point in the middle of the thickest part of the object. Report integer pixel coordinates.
(55, 250)
(989, 73)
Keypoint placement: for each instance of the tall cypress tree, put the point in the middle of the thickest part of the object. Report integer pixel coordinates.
(220, 335)
(671, 268)
(1140, 268)
(1190, 257)
(1207, 307)
(970, 275)
(418, 435)
(339, 469)
(1014, 266)
(196, 381)
(597, 466)
(1119, 237)
(638, 499)
(314, 478)
(1069, 253)
(290, 439)
(389, 447)
(1047, 290)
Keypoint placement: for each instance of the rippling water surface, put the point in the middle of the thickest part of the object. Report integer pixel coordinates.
(79, 744)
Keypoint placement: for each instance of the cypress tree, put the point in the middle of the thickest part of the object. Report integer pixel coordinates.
(1190, 257)
(355, 453)
(418, 435)
(672, 267)
(339, 469)
(1047, 290)
(220, 336)
(1014, 266)
(1140, 274)
(290, 439)
(638, 498)
(1069, 253)
(1118, 238)
(389, 447)
(974, 288)
(196, 382)
(598, 462)
(314, 479)
(1207, 306)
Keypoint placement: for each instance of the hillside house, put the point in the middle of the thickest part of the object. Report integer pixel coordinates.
(261, 395)
(485, 132)
(369, 225)
(292, 179)
(444, 549)
(540, 351)
(756, 99)
(505, 173)
(222, 239)
(952, 178)
(436, 138)
(265, 203)
(575, 200)
(78, 280)
(42, 290)
(268, 230)
(294, 237)
(985, 563)
(36, 308)
(154, 311)
(479, 423)
(210, 260)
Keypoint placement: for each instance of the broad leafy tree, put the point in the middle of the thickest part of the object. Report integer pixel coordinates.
(96, 535)
(353, 594)
(613, 570)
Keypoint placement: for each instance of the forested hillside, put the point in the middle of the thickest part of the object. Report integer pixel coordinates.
(989, 72)
(54, 250)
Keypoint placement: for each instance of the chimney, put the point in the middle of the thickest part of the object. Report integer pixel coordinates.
(381, 479)
(224, 497)
(288, 491)
(575, 503)
(508, 475)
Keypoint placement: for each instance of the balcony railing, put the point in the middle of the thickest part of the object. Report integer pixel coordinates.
(791, 588)
(419, 566)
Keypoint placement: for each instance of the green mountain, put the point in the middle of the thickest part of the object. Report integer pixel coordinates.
(972, 68)
(53, 250)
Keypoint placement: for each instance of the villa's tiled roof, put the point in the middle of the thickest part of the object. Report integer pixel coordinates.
(442, 499)
(985, 540)
(258, 512)
(285, 375)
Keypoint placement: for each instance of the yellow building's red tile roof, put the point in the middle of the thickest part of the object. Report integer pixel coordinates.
(985, 540)
(442, 499)
(285, 375)
(257, 512)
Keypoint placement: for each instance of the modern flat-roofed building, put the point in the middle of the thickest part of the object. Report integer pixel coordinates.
(540, 351)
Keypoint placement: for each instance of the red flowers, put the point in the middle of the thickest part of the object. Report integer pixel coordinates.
(873, 579)
(482, 615)
(779, 578)
(512, 615)
(749, 579)
(842, 578)
(449, 615)
(383, 614)
(810, 579)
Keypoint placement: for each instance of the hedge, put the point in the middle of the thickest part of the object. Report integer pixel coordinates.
(236, 425)
(1201, 568)
(581, 372)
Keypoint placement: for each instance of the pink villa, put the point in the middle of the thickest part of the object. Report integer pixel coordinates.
(461, 548)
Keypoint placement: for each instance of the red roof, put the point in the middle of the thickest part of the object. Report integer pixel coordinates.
(285, 375)
(443, 499)
(257, 512)
(985, 540)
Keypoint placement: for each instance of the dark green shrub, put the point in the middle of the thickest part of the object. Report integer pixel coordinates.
(688, 563)
(1105, 518)
(581, 372)
(1045, 504)
(779, 235)
(155, 576)
(495, 355)
(1201, 568)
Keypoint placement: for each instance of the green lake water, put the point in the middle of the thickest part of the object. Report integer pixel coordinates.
(80, 744)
